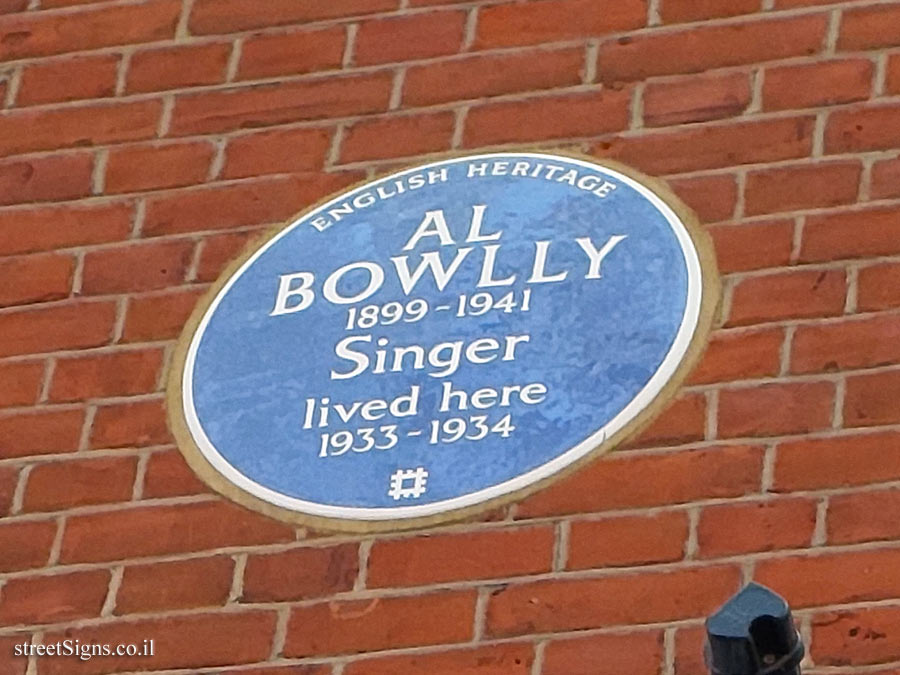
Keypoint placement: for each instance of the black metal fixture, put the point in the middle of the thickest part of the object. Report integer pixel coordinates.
(753, 634)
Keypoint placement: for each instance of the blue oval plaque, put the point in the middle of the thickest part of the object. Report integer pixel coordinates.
(442, 339)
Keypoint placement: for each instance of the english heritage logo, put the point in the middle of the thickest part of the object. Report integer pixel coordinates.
(442, 340)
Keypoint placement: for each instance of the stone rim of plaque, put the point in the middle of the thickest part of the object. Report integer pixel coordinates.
(703, 303)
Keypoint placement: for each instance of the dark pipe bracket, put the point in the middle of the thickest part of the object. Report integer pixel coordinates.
(753, 634)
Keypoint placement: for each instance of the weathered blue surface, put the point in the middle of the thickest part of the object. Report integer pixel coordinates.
(594, 343)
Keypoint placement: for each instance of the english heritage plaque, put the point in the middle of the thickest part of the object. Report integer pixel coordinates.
(442, 340)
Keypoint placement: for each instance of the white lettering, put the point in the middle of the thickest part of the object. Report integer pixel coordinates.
(538, 275)
(432, 261)
(376, 278)
(343, 351)
(596, 257)
(487, 270)
(285, 291)
(605, 189)
(475, 228)
(440, 230)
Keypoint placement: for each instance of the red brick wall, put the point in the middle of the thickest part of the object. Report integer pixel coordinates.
(145, 141)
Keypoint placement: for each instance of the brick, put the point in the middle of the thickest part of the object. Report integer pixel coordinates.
(226, 16)
(878, 287)
(481, 76)
(398, 137)
(21, 382)
(45, 178)
(765, 526)
(869, 27)
(25, 545)
(159, 316)
(281, 103)
(219, 250)
(47, 228)
(351, 626)
(168, 475)
(810, 85)
(678, 11)
(61, 485)
(301, 574)
(264, 201)
(712, 147)
(174, 67)
(626, 599)
(276, 151)
(10, 6)
(46, 329)
(683, 421)
(801, 187)
(885, 178)
(9, 661)
(70, 80)
(35, 278)
(119, 373)
(514, 24)
(624, 541)
(865, 516)
(9, 477)
(291, 53)
(29, 130)
(164, 530)
(788, 295)
(47, 431)
(834, 578)
(843, 461)
(179, 642)
(740, 355)
(507, 659)
(712, 198)
(689, 646)
(666, 478)
(788, 4)
(584, 114)
(696, 99)
(836, 236)
(324, 669)
(47, 4)
(701, 48)
(460, 557)
(775, 409)
(856, 637)
(51, 599)
(182, 584)
(152, 167)
(892, 76)
(872, 399)
(844, 345)
(627, 654)
(130, 424)
(753, 246)
(45, 33)
(862, 129)
(418, 36)
(145, 266)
